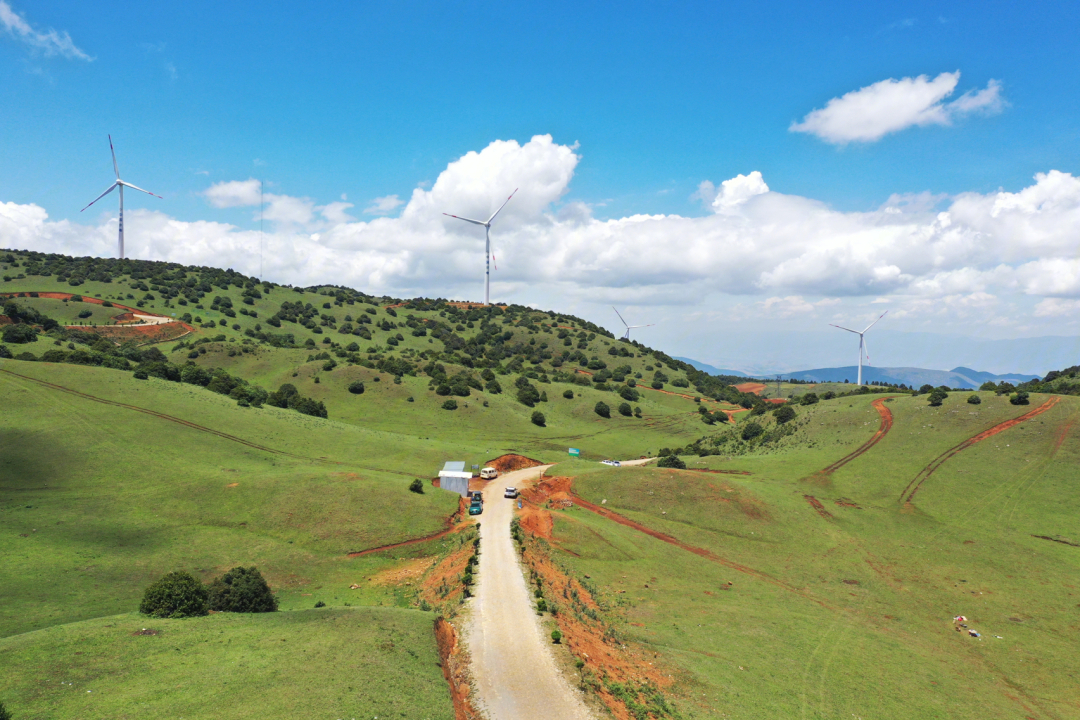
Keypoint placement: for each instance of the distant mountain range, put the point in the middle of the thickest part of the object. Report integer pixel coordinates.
(710, 369)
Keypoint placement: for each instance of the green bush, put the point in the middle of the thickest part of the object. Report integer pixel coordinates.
(751, 430)
(625, 409)
(556, 636)
(808, 399)
(417, 486)
(538, 418)
(937, 397)
(19, 334)
(974, 399)
(671, 461)
(1020, 398)
(568, 394)
(450, 404)
(176, 595)
(141, 375)
(242, 590)
(320, 604)
(5, 714)
(602, 409)
(784, 413)
(356, 387)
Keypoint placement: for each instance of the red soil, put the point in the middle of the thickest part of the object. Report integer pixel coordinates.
(85, 299)
(882, 431)
(816, 504)
(750, 387)
(926, 472)
(509, 463)
(455, 665)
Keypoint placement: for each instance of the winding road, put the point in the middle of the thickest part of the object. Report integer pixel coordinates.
(515, 677)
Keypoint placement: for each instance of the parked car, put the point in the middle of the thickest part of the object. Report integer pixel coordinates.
(612, 463)
(476, 508)
(510, 492)
(477, 496)
(489, 473)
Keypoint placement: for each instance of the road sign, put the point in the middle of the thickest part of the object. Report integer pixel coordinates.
(475, 467)
(575, 452)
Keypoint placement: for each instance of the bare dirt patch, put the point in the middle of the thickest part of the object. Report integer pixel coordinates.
(822, 476)
(147, 631)
(750, 387)
(455, 667)
(407, 573)
(511, 462)
(816, 504)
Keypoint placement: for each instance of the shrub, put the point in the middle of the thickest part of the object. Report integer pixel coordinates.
(671, 461)
(602, 409)
(19, 334)
(556, 636)
(657, 385)
(989, 385)
(356, 387)
(538, 418)
(808, 399)
(493, 386)
(828, 396)
(176, 595)
(443, 389)
(242, 590)
(568, 394)
(751, 430)
(937, 396)
(784, 413)
(450, 404)
(1020, 398)
(5, 714)
(417, 486)
(141, 375)
(541, 606)
(974, 399)
(320, 604)
(625, 409)
(628, 393)
(637, 412)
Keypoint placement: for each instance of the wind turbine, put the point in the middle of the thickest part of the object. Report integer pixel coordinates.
(487, 246)
(626, 335)
(862, 342)
(119, 184)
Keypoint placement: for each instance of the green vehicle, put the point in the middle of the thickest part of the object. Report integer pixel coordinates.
(477, 505)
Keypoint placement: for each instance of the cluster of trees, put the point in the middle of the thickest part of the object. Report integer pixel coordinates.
(25, 321)
(180, 594)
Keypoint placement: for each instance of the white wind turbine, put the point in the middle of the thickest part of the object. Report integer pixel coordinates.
(626, 335)
(119, 184)
(487, 246)
(863, 347)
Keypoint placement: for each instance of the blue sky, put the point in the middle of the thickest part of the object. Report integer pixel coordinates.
(359, 101)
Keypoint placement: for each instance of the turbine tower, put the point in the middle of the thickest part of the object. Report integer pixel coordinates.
(487, 246)
(626, 335)
(119, 184)
(863, 347)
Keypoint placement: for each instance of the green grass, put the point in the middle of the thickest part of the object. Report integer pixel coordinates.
(328, 663)
(850, 616)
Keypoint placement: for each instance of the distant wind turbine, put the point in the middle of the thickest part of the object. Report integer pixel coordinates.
(863, 347)
(119, 184)
(626, 335)
(487, 246)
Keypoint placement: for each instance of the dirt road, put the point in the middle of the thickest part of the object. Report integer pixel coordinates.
(512, 663)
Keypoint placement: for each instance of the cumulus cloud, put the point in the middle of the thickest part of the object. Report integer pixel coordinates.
(384, 205)
(870, 113)
(794, 256)
(48, 43)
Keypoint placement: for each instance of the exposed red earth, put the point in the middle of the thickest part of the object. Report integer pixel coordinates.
(816, 504)
(882, 431)
(750, 387)
(511, 462)
(916, 482)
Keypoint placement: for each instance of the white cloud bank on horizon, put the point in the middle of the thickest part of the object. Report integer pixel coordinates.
(889, 106)
(47, 43)
(980, 256)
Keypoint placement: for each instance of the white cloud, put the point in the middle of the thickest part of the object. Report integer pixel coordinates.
(384, 205)
(870, 113)
(47, 43)
(1056, 307)
(970, 256)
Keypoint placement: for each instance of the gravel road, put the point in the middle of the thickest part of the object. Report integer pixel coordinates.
(513, 667)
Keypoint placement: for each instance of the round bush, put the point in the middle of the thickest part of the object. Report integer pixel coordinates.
(784, 413)
(538, 418)
(1020, 398)
(242, 590)
(671, 461)
(356, 387)
(625, 409)
(602, 409)
(568, 394)
(176, 595)
(141, 375)
(556, 636)
(417, 486)
(751, 430)
(450, 404)
(974, 399)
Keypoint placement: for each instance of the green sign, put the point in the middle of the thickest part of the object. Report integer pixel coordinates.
(575, 452)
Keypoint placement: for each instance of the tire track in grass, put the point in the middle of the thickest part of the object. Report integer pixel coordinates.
(930, 469)
(882, 431)
(195, 426)
(700, 552)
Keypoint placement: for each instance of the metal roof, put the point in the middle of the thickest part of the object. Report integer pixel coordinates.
(454, 466)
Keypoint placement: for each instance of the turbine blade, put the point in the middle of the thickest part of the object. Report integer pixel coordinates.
(133, 187)
(474, 222)
(876, 321)
(848, 329)
(502, 206)
(620, 317)
(866, 349)
(115, 168)
(111, 188)
(631, 327)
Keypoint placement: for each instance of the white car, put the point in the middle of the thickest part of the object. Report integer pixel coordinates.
(612, 463)
(510, 493)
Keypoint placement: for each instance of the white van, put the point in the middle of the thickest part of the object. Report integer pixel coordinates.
(489, 473)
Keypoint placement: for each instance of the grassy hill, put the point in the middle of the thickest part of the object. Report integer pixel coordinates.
(807, 568)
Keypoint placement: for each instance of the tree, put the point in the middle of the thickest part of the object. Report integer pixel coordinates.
(988, 386)
(925, 389)
(176, 595)
(356, 387)
(784, 413)
(556, 636)
(242, 590)
(5, 714)
(417, 486)
(443, 389)
(671, 461)
(808, 399)
(568, 394)
(937, 397)
(19, 334)
(974, 399)
(602, 409)
(538, 418)
(628, 393)
(1020, 398)
(751, 430)
(637, 412)
(625, 409)
(450, 404)
(493, 386)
